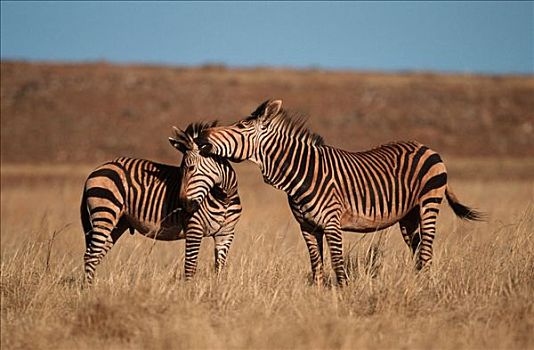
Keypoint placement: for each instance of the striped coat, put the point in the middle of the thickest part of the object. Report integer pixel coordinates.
(137, 194)
(331, 190)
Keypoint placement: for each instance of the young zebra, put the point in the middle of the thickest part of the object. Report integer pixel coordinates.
(162, 202)
(331, 190)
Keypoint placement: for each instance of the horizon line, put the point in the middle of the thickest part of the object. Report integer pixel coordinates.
(304, 68)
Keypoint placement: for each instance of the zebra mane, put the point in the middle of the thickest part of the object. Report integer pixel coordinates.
(296, 125)
(191, 133)
(193, 130)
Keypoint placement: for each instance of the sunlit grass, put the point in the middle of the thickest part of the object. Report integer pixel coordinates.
(478, 293)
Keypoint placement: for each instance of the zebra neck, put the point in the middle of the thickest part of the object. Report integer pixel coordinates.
(228, 180)
(290, 167)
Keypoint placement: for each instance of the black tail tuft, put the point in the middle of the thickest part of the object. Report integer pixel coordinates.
(462, 211)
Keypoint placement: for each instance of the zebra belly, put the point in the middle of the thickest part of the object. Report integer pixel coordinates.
(167, 234)
(156, 231)
(360, 223)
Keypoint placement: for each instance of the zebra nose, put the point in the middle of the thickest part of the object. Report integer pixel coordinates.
(203, 144)
(205, 149)
(202, 139)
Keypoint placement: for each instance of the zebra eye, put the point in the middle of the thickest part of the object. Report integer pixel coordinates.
(190, 167)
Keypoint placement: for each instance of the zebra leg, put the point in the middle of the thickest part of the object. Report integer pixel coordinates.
(314, 241)
(334, 237)
(409, 226)
(429, 214)
(98, 242)
(193, 239)
(223, 241)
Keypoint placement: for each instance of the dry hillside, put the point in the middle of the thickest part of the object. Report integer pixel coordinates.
(93, 112)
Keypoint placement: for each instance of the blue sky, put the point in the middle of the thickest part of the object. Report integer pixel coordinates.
(477, 37)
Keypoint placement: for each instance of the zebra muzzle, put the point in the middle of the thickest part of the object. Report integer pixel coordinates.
(204, 145)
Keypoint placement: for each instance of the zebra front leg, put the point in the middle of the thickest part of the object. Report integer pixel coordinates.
(222, 242)
(334, 237)
(193, 239)
(314, 241)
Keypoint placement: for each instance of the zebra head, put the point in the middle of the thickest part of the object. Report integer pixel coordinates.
(200, 173)
(244, 139)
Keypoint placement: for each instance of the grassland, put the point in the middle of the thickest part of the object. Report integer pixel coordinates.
(478, 294)
(60, 120)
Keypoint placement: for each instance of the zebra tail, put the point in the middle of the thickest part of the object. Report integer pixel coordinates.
(462, 211)
(86, 220)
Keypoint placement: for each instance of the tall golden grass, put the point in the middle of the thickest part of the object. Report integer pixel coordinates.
(478, 294)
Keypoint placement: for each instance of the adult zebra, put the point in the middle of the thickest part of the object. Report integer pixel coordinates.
(162, 202)
(332, 190)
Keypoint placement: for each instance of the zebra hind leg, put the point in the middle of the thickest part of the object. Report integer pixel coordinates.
(99, 241)
(429, 211)
(409, 226)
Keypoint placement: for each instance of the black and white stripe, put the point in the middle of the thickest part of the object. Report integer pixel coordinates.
(154, 199)
(332, 190)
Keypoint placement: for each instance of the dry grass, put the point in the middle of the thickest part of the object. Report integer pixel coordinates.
(477, 295)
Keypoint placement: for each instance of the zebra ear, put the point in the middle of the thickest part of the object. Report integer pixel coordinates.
(178, 145)
(268, 109)
(272, 109)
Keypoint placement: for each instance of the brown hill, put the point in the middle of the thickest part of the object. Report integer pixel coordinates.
(92, 112)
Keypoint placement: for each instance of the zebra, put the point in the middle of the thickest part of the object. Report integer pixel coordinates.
(162, 202)
(331, 190)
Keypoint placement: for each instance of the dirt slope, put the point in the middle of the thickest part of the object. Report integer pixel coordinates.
(92, 112)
